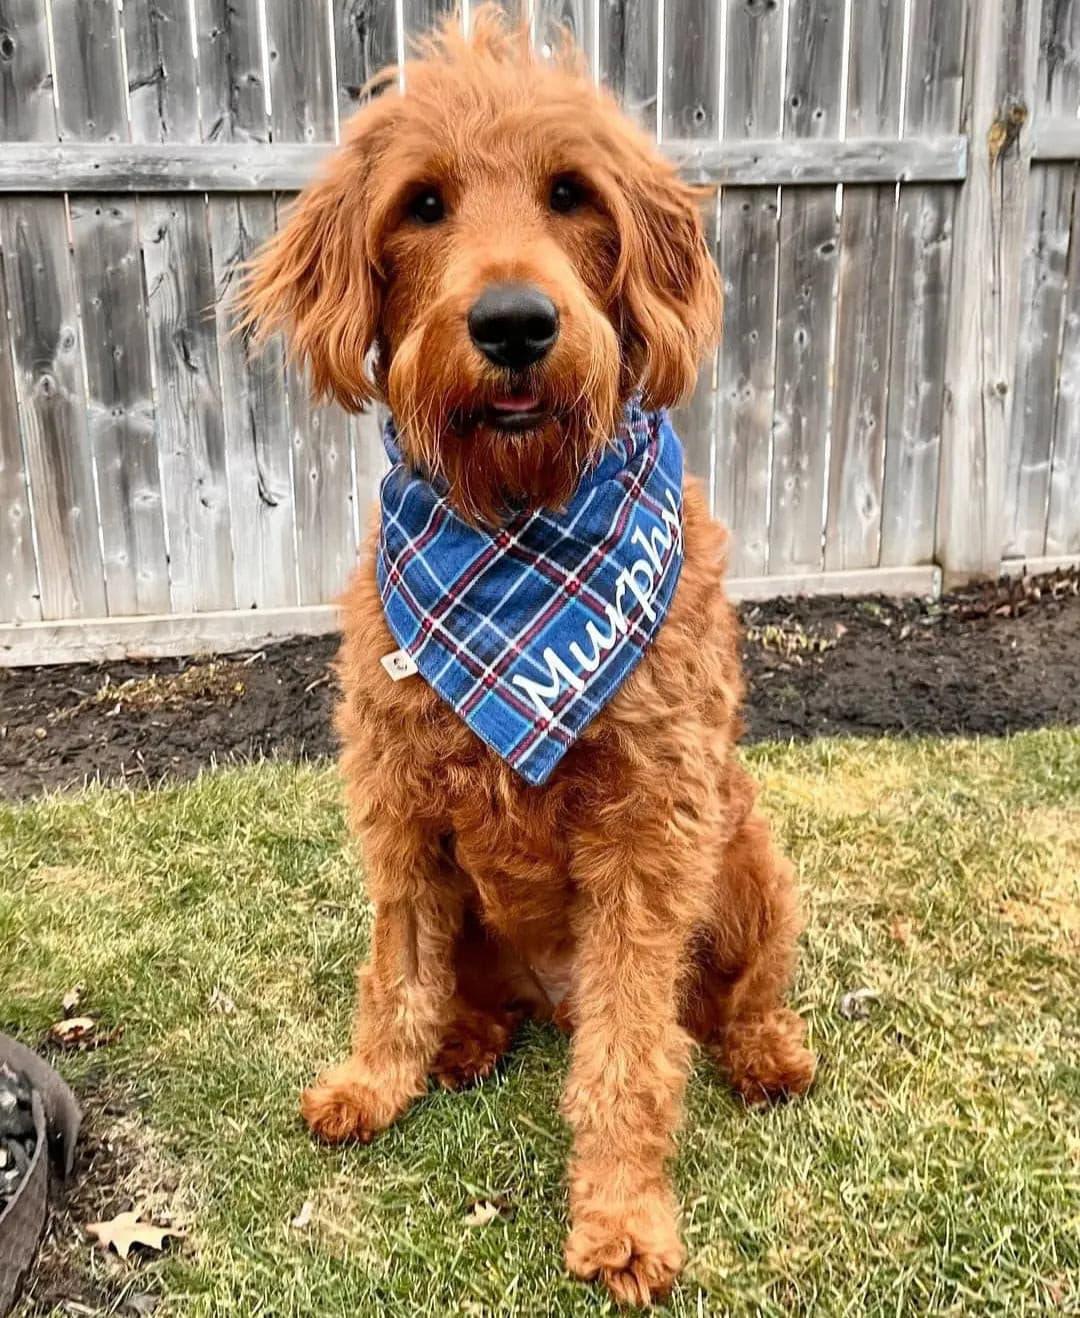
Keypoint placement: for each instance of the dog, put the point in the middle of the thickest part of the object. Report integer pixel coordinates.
(497, 254)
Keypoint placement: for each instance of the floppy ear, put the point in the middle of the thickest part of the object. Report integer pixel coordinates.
(666, 284)
(317, 281)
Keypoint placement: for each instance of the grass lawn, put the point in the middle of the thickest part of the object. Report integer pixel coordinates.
(935, 1168)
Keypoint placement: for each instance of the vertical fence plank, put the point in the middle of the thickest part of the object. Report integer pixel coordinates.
(748, 255)
(924, 236)
(93, 107)
(420, 17)
(42, 303)
(20, 600)
(365, 41)
(232, 96)
(365, 38)
(1059, 93)
(1063, 513)
(553, 18)
(179, 298)
(806, 296)
(691, 101)
(984, 301)
(867, 229)
(302, 110)
(640, 35)
(611, 53)
(1046, 329)
(1042, 319)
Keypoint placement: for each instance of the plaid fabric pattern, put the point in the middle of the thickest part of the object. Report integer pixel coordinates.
(527, 630)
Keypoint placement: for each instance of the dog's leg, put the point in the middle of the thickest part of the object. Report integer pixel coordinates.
(755, 1038)
(405, 991)
(629, 1063)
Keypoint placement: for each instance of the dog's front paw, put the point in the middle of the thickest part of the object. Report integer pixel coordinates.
(635, 1251)
(343, 1105)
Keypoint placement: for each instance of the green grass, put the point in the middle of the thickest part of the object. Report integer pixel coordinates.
(934, 1169)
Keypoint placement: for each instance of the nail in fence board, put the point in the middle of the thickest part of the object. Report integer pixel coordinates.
(747, 257)
(93, 107)
(806, 298)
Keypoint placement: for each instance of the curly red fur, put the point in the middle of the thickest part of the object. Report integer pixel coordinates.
(640, 877)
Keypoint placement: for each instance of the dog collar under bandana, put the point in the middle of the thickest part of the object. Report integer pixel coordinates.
(529, 629)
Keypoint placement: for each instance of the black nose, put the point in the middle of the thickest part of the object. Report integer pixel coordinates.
(513, 325)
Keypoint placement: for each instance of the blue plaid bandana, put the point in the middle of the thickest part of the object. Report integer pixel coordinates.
(528, 630)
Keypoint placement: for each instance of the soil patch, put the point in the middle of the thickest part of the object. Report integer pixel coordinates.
(991, 660)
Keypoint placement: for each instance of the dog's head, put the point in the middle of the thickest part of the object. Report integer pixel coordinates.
(504, 259)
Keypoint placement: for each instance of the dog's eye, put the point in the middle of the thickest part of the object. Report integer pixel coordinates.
(427, 206)
(567, 194)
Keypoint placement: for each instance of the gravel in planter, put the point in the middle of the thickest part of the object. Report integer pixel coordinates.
(18, 1138)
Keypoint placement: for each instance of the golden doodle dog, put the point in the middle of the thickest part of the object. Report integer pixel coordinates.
(540, 682)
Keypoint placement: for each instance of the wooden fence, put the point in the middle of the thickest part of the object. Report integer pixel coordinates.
(898, 388)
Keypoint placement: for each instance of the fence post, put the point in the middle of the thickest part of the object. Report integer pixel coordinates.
(1000, 65)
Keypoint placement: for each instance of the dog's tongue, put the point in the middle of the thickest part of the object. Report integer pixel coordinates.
(516, 403)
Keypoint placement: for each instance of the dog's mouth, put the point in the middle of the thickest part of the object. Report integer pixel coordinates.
(515, 411)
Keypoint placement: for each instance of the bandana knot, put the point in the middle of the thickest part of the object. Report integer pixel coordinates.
(527, 630)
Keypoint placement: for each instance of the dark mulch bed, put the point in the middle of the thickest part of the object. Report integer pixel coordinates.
(991, 660)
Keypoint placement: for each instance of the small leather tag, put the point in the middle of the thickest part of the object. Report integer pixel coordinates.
(399, 664)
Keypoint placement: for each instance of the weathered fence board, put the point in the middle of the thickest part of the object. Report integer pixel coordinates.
(806, 301)
(920, 294)
(1043, 293)
(261, 167)
(45, 342)
(149, 468)
(302, 109)
(20, 600)
(231, 81)
(749, 219)
(867, 233)
(691, 110)
(984, 302)
(1063, 522)
(92, 99)
(180, 294)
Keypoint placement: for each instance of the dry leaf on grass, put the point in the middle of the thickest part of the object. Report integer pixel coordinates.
(303, 1217)
(855, 1006)
(485, 1211)
(81, 1032)
(125, 1230)
(72, 998)
(900, 930)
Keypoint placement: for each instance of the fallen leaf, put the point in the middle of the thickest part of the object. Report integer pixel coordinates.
(81, 1032)
(482, 1214)
(125, 1230)
(900, 930)
(72, 998)
(303, 1217)
(855, 1006)
(221, 1002)
(485, 1211)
